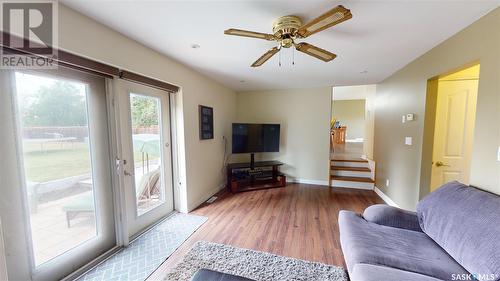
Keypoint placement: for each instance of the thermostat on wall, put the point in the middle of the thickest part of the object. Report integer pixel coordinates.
(409, 117)
(408, 140)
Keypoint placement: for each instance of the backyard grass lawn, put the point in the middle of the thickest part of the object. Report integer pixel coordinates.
(55, 162)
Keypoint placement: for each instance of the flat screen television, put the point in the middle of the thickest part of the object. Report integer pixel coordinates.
(255, 138)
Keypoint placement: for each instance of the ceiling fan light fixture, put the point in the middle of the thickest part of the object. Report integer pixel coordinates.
(320, 54)
(316, 52)
(333, 18)
(287, 29)
(265, 57)
(246, 33)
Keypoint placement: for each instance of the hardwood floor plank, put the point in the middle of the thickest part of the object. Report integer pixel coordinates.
(298, 221)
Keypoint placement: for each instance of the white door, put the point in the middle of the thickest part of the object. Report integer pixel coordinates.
(57, 202)
(454, 130)
(146, 155)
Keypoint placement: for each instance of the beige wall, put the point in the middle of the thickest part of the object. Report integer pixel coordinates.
(369, 120)
(304, 116)
(405, 92)
(350, 113)
(202, 174)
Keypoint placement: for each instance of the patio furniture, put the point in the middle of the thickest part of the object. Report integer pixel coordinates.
(149, 185)
(60, 140)
(82, 204)
(147, 144)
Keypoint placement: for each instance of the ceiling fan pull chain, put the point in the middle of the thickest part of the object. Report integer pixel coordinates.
(279, 63)
(293, 56)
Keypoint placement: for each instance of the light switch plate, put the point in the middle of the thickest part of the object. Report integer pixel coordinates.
(387, 182)
(408, 140)
(403, 119)
(498, 154)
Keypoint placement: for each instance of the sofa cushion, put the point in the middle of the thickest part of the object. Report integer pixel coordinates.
(391, 216)
(464, 221)
(369, 272)
(370, 243)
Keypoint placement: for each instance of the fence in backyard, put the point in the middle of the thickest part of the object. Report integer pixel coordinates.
(79, 132)
(146, 130)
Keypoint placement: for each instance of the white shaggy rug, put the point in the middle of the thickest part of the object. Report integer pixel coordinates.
(251, 264)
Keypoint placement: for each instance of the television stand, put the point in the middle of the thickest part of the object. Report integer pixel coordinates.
(253, 176)
(252, 161)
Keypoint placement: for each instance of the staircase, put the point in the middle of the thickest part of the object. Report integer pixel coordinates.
(352, 173)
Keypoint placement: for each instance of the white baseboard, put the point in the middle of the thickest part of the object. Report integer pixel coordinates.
(200, 201)
(385, 198)
(359, 187)
(306, 181)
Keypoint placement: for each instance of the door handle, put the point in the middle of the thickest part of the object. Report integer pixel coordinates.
(127, 173)
(441, 164)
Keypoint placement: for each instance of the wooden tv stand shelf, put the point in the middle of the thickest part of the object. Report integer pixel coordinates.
(266, 174)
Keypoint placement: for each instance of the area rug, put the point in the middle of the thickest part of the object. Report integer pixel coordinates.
(137, 261)
(251, 264)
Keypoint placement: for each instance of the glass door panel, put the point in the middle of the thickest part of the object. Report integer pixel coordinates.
(147, 137)
(57, 163)
(62, 136)
(144, 122)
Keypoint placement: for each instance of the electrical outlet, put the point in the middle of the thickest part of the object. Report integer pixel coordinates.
(387, 182)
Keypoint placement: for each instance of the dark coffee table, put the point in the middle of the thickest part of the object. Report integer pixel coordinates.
(210, 275)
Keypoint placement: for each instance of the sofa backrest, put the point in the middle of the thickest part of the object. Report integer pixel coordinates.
(465, 222)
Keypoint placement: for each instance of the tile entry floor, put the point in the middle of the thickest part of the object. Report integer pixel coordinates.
(137, 261)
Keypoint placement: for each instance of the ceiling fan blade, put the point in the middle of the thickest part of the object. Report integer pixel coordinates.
(314, 51)
(265, 57)
(246, 33)
(326, 20)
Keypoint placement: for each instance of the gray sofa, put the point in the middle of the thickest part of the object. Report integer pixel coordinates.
(454, 235)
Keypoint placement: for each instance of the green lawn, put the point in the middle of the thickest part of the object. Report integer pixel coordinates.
(56, 162)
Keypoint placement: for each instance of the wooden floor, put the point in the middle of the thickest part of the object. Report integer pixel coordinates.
(298, 221)
(348, 150)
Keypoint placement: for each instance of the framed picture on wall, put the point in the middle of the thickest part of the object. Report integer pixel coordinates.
(206, 122)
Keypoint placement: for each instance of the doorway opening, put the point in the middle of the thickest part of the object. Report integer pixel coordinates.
(351, 137)
(449, 127)
(351, 125)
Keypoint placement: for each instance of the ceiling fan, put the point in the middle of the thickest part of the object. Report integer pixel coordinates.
(287, 29)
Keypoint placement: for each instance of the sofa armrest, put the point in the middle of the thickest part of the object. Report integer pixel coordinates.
(391, 216)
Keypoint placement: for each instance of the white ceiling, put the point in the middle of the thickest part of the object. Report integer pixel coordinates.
(382, 36)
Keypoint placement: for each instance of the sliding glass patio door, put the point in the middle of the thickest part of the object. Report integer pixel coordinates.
(60, 179)
(146, 155)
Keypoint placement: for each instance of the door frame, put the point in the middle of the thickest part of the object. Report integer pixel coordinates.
(119, 113)
(43, 271)
(20, 228)
(429, 126)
